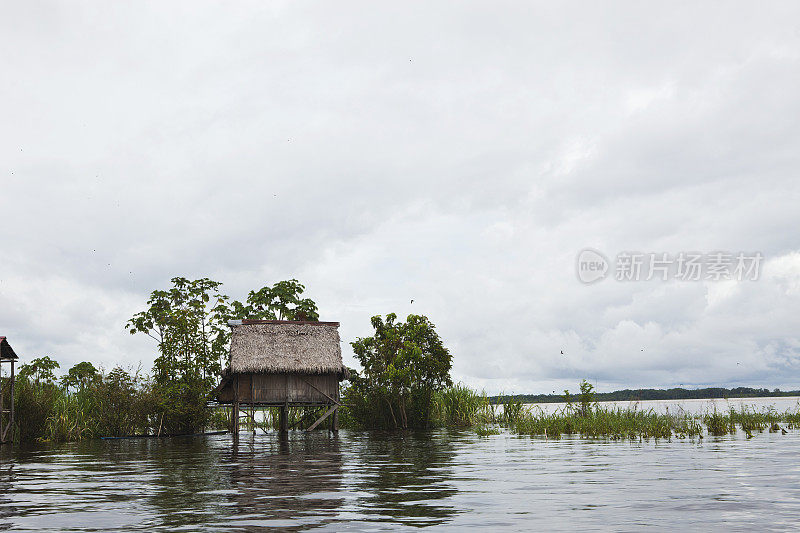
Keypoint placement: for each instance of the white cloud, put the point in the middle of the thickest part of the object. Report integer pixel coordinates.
(459, 156)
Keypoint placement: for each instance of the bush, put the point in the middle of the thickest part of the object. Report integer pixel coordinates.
(34, 403)
(124, 404)
(182, 406)
(405, 364)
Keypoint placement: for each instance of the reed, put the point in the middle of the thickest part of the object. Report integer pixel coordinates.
(460, 406)
(485, 430)
(749, 419)
(718, 423)
(71, 419)
(792, 417)
(512, 410)
(631, 423)
(114, 404)
(615, 423)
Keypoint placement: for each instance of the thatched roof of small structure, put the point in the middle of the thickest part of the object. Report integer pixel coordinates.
(280, 346)
(6, 351)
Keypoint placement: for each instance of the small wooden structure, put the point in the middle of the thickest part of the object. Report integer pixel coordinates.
(7, 356)
(280, 363)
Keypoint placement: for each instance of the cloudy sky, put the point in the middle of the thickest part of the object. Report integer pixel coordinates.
(458, 154)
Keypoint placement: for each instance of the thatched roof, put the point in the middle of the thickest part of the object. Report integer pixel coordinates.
(6, 351)
(279, 346)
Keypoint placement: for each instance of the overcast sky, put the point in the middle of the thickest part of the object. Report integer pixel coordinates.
(457, 154)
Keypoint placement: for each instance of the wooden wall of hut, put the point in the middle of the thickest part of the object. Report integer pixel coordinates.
(279, 389)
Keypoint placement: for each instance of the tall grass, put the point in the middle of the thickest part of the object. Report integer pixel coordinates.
(119, 403)
(601, 422)
(116, 404)
(749, 420)
(460, 406)
(70, 420)
(512, 411)
(632, 423)
(35, 404)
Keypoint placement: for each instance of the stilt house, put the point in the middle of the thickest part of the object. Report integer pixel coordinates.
(283, 363)
(7, 357)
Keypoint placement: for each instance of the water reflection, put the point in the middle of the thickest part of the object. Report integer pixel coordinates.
(290, 483)
(263, 481)
(7, 507)
(407, 477)
(373, 481)
(185, 479)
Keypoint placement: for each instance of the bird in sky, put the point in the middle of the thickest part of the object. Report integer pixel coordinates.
(412, 301)
(562, 352)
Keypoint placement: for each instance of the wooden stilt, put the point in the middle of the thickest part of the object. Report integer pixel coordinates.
(252, 403)
(283, 419)
(235, 413)
(335, 422)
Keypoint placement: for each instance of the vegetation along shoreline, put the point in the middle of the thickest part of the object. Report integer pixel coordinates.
(404, 382)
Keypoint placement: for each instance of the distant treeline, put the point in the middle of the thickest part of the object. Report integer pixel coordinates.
(629, 395)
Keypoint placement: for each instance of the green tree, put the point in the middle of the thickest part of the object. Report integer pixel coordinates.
(189, 322)
(403, 365)
(281, 301)
(41, 371)
(79, 376)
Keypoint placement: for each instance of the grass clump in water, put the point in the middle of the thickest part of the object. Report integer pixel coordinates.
(749, 420)
(587, 419)
(512, 411)
(460, 406)
(718, 423)
(792, 418)
(484, 430)
(606, 422)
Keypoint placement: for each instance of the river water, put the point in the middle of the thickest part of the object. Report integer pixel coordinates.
(374, 481)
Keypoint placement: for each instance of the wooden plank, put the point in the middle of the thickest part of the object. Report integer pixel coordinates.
(323, 417)
(300, 422)
(318, 390)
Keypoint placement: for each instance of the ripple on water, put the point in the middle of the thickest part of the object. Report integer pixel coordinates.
(379, 480)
